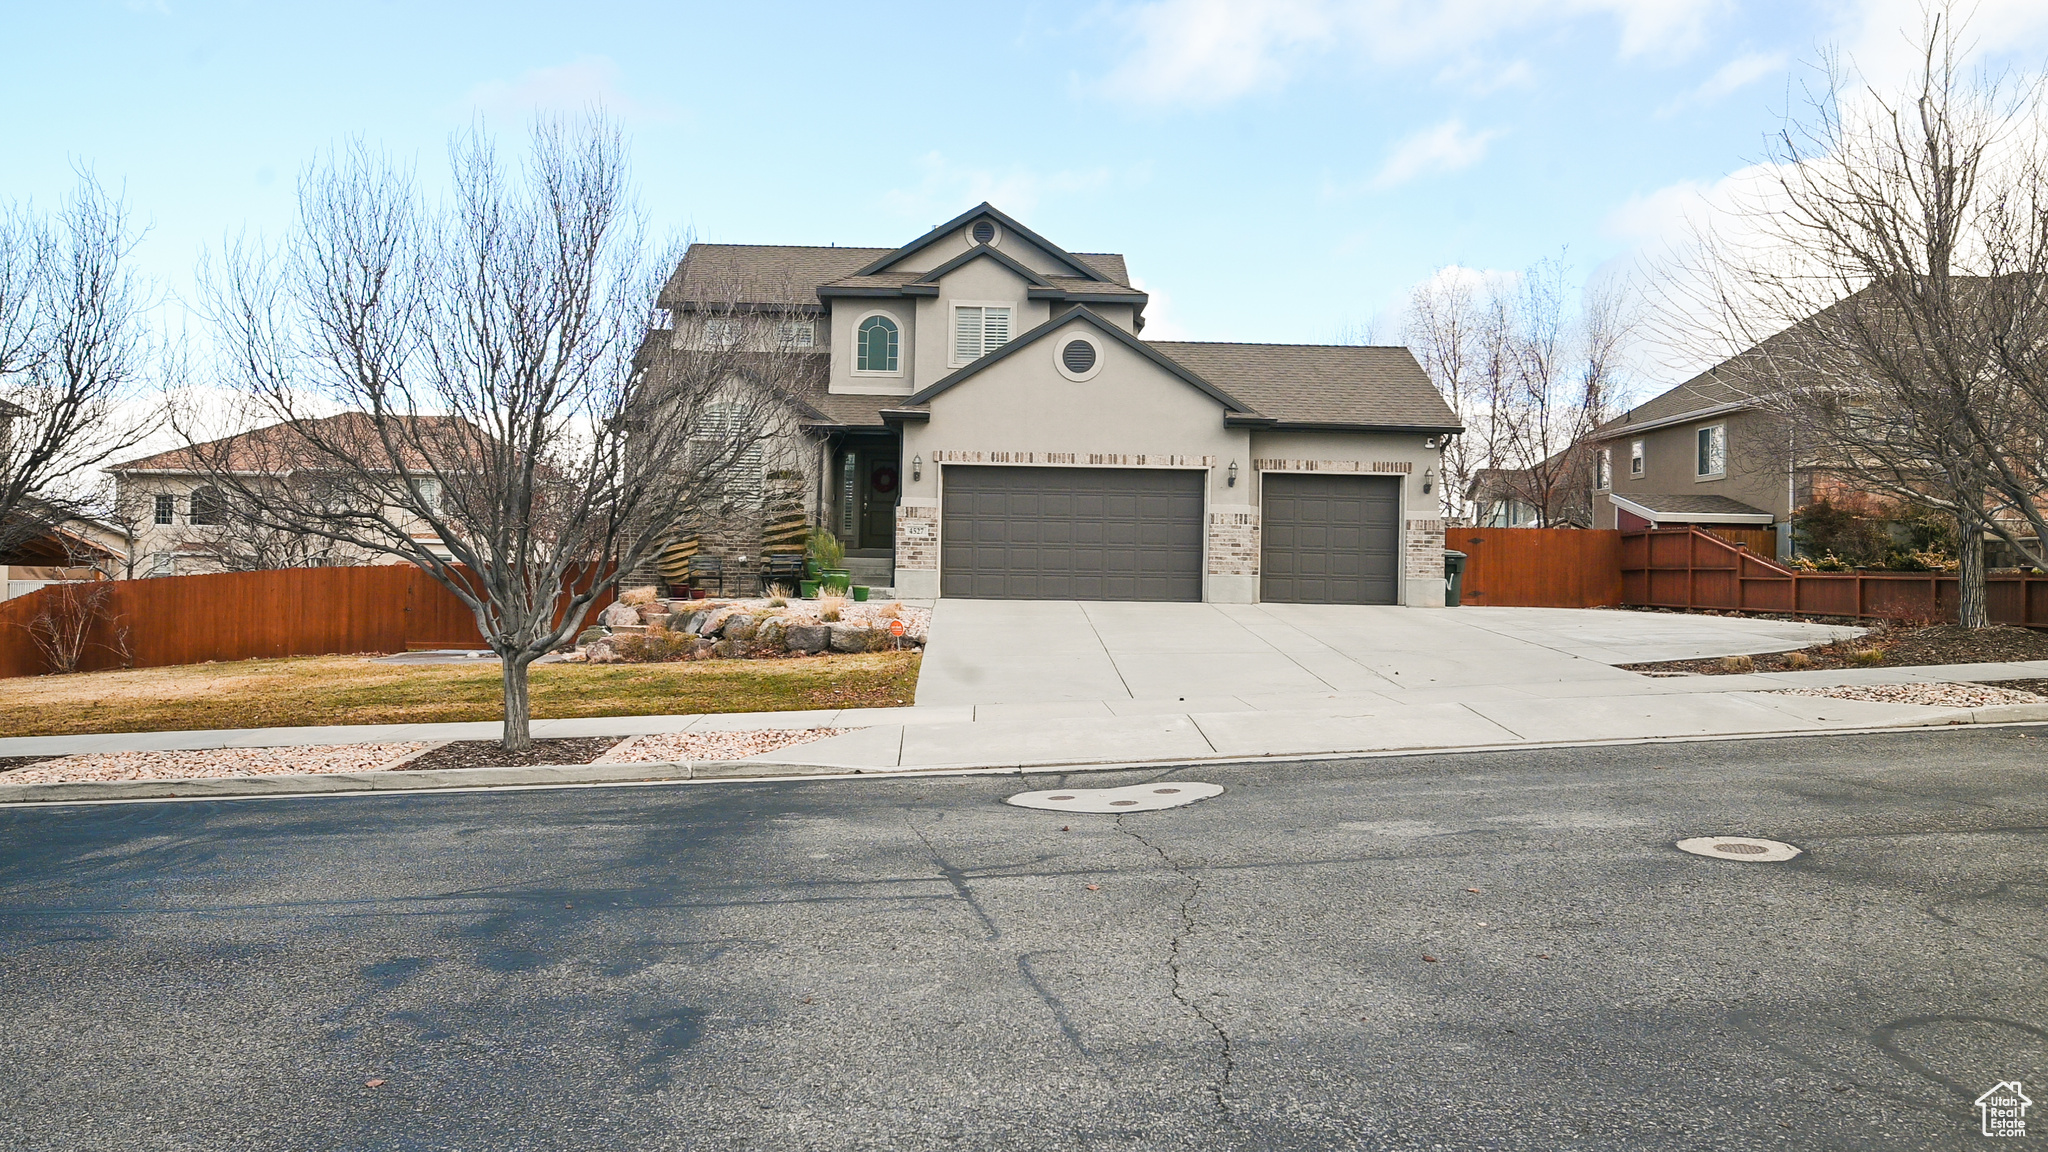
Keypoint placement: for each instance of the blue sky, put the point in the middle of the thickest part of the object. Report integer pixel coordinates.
(1284, 170)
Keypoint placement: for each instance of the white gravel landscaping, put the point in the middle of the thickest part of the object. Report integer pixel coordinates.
(1931, 695)
(673, 746)
(213, 762)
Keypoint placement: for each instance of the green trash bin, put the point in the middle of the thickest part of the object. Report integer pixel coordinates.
(1454, 577)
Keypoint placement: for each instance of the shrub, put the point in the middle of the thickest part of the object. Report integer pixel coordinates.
(1798, 660)
(890, 611)
(637, 596)
(1738, 664)
(826, 550)
(779, 595)
(1832, 563)
(830, 607)
(1867, 657)
(1840, 534)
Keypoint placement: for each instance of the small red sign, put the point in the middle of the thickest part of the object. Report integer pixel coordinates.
(895, 627)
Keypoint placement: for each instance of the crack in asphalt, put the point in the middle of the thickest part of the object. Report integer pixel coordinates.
(1219, 1088)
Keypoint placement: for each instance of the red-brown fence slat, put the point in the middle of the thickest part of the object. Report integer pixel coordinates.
(1539, 567)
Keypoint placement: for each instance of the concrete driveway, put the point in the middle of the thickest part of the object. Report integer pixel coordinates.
(1226, 657)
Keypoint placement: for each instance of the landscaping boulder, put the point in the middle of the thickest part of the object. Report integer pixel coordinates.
(774, 630)
(703, 649)
(739, 627)
(856, 638)
(619, 614)
(590, 636)
(602, 652)
(694, 622)
(725, 649)
(808, 637)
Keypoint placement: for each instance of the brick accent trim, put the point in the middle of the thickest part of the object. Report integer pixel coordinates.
(1377, 467)
(1233, 543)
(917, 537)
(1423, 549)
(1079, 459)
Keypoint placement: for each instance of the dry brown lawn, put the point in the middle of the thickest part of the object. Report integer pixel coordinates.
(357, 690)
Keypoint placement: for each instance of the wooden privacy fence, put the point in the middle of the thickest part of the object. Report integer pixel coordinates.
(1688, 568)
(1539, 567)
(241, 615)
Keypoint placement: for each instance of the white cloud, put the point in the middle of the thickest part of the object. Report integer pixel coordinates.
(582, 84)
(1736, 74)
(1210, 51)
(945, 189)
(1448, 147)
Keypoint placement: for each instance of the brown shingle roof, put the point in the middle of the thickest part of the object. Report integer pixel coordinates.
(279, 448)
(789, 275)
(1320, 383)
(1691, 504)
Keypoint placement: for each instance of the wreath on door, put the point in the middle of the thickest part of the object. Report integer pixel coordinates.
(883, 479)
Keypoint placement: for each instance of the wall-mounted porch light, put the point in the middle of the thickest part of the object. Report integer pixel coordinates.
(1428, 475)
(917, 467)
(1232, 481)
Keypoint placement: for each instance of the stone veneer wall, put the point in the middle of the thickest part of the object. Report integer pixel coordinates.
(917, 535)
(1424, 550)
(1234, 543)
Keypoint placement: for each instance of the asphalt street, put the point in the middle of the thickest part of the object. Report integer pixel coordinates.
(1501, 950)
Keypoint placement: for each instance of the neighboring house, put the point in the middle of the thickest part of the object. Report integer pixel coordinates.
(1702, 453)
(1512, 497)
(82, 549)
(184, 525)
(990, 424)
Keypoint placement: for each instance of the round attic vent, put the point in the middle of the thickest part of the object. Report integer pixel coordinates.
(1078, 356)
(984, 232)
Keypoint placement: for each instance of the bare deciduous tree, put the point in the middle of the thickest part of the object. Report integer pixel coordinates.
(458, 385)
(1887, 293)
(74, 345)
(1528, 378)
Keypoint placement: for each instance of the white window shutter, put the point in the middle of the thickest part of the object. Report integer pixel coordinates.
(995, 327)
(966, 334)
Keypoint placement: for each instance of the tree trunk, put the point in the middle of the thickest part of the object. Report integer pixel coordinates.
(518, 708)
(1971, 611)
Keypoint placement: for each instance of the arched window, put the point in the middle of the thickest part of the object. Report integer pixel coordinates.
(207, 506)
(875, 345)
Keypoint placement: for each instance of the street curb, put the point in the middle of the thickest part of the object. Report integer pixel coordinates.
(761, 771)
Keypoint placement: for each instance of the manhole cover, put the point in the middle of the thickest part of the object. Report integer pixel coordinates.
(1744, 848)
(1135, 798)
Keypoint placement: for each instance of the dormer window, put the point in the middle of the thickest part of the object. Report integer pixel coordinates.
(875, 345)
(978, 330)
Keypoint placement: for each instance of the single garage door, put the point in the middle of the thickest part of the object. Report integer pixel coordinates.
(1071, 534)
(1331, 539)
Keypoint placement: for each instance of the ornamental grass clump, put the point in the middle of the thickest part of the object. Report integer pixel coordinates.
(1736, 665)
(1798, 661)
(1867, 657)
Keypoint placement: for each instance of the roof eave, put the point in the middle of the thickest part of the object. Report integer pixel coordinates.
(1084, 314)
(1656, 517)
(1087, 270)
(1389, 429)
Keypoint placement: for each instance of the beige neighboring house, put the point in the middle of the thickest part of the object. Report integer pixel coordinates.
(1702, 454)
(991, 424)
(82, 549)
(184, 525)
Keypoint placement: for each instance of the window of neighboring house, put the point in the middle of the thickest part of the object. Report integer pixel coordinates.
(1713, 451)
(1603, 469)
(979, 330)
(207, 506)
(428, 493)
(796, 333)
(161, 564)
(721, 333)
(166, 509)
(875, 345)
(1635, 458)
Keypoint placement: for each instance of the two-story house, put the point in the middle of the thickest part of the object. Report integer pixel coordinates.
(992, 423)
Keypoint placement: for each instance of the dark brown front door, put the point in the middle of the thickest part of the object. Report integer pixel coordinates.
(869, 485)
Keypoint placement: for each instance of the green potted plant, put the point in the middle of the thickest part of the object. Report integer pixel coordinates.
(830, 555)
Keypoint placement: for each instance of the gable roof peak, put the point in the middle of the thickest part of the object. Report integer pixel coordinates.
(1008, 223)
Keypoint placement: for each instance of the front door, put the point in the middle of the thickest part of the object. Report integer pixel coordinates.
(869, 485)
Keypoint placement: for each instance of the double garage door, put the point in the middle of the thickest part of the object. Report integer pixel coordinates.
(1136, 534)
(1071, 534)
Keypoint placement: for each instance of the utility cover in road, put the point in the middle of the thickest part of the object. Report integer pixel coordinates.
(1136, 798)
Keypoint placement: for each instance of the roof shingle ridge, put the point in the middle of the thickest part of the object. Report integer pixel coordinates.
(1279, 344)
